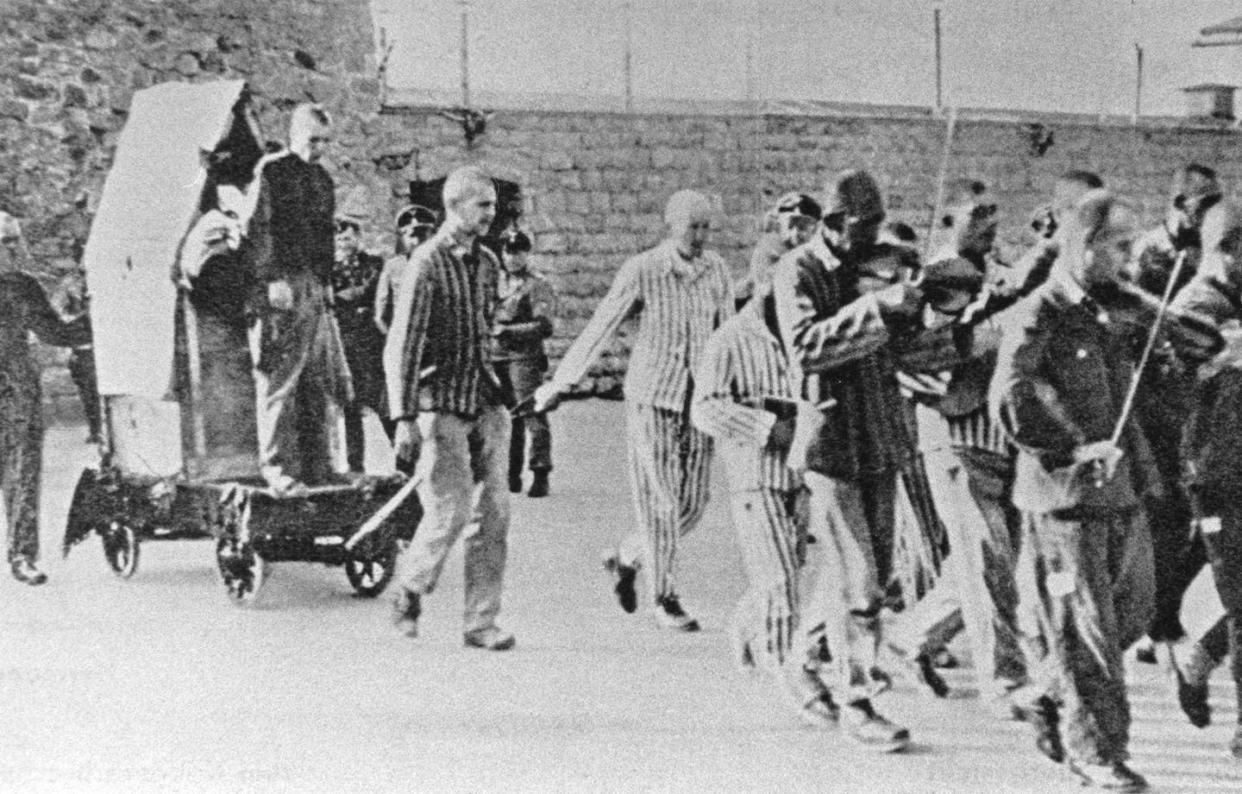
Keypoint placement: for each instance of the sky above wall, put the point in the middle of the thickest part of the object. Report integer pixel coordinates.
(1050, 55)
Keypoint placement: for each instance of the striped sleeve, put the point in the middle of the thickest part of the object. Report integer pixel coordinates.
(819, 343)
(728, 304)
(608, 316)
(404, 346)
(714, 410)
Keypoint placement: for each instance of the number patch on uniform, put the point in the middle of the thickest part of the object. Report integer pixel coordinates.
(1209, 525)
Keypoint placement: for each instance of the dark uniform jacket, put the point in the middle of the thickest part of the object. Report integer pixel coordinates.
(1061, 377)
(523, 318)
(836, 337)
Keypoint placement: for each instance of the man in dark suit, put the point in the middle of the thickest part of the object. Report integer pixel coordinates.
(1085, 576)
(301, 376)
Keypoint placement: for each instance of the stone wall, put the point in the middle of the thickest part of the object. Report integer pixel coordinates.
(595, 182)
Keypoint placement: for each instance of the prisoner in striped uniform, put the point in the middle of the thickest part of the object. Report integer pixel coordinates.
(970, 468)
(679, 293)
(743, 399)
(449, 411)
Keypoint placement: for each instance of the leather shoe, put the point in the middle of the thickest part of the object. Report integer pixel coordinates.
(515, 483)
(539, 487)
(25, 571)
(623, 581)
(492, 638)
(670, 615)
(406, 609)
(1191, 677)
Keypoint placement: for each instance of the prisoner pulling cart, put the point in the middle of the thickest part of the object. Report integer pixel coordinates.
(180, 456)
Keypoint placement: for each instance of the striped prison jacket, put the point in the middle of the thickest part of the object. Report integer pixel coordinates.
(743, 372)
(678, 304)
(437, 356)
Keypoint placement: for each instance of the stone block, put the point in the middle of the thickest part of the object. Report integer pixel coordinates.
(27, 87)
(14, 109)
(99, 38)
(74, 95)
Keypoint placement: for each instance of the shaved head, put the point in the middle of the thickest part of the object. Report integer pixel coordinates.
(684, 207)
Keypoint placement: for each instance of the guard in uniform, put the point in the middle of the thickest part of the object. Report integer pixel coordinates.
(24, 308)
(355, 277)
(523, 320)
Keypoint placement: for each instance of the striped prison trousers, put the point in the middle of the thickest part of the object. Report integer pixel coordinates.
(670, 473)
(766, 616)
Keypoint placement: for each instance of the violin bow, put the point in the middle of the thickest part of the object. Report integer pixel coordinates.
(1161, 311)
(941, 178)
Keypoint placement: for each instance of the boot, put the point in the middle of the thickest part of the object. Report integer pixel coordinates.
(538, 488)
(1191, 669)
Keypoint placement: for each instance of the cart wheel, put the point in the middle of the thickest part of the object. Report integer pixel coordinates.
(120, 547)
(369, 575)
(242, 569)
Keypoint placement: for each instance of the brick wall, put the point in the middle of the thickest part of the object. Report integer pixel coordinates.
(595, 182)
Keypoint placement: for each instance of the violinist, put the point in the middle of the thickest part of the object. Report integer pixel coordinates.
(1085, 574)
(838, 300)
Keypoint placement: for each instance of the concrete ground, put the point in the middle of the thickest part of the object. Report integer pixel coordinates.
(160, 684)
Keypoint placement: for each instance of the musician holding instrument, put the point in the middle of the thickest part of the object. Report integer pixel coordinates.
(839, 298)
(1085, 574)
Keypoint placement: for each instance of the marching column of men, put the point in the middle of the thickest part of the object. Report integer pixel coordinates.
(1079, 416)
(1031, 368)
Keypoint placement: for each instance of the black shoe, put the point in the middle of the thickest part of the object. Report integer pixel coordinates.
(1109, 777)
(1193, 698)
(1044, 718)
(670, 615)
(25, 571)
(515, 483)
(406, 609)
(539, 488)
(623, 577)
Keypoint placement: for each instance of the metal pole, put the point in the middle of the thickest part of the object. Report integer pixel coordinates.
(939, 61)
(1138, 82)
(629, 57)
(465, 54)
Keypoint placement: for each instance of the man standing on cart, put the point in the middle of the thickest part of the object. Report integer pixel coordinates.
(450, 417)
(299, 366)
